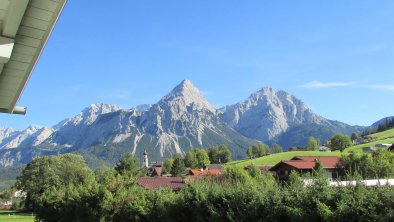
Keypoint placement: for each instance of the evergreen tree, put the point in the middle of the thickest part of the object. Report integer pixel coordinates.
(178, 167)
(129, 165)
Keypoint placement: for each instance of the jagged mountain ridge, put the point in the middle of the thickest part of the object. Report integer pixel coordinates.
(266, 114)
(181, 120)
(279, 117)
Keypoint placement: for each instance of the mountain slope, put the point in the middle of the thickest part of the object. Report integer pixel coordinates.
(279, 117)
(183, 119)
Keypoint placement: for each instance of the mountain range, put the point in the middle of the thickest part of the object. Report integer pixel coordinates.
(183, 119)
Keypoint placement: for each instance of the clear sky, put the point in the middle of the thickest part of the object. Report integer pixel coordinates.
(336, 56)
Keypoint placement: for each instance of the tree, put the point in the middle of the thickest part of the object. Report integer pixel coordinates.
(383, 163)
(129, 165)
(202, 158)
(258, 150)
(224, 154)
(276, 148)
(178, 166)
(196, 158)
(213, 154)
(168, 165)
(354, 136)
(220, 154)
(46, 173)
(340, 142)
(312, 144)
(191, 159)
(236, 174)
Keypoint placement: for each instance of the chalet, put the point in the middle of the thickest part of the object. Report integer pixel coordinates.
(305, 165)
(383, 145)
(153, 183)
(324, 149)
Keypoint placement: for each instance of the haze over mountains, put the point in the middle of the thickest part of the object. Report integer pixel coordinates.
(181, 120)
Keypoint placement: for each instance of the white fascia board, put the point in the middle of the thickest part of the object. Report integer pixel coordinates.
(6, 46)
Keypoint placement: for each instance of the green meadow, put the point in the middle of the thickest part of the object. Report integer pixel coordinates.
(273, 159)
(14, 216)
(270, 160)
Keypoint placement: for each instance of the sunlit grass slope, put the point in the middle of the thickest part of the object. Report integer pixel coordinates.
(276, 158)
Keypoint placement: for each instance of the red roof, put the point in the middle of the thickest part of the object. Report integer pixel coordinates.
(309, 162)
(196, 172)
(328, 162)
(174, 183)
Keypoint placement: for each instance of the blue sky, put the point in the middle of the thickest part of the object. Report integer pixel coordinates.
(336, 56)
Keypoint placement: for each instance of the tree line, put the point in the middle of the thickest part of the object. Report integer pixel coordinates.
(387, 124)
(63, 188)
(339, 142)
(197, 158)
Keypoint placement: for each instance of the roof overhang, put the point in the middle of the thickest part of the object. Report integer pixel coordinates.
(25, 26)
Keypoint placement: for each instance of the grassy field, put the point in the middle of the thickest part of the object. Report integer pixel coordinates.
(380, 138)
(359, 148)
(276, 158)
(383, 135)
(15, 216)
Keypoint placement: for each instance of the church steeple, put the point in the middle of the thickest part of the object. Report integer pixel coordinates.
(145, 158)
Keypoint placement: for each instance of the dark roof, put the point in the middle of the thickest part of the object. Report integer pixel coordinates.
(309, 162)
(174, 183)
(265, 169)
(157, 171)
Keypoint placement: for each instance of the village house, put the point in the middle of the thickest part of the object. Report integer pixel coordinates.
(304, 165)
(324, 149)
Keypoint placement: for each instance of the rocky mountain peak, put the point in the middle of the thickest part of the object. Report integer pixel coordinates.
(32, 128)
(266, 114)
(88, 115)
(186, 94)
(19, 137)
(5, 132)
(99, 108)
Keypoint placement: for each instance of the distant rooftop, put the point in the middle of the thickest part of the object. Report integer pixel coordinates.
(151, 183)
(309, 162)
